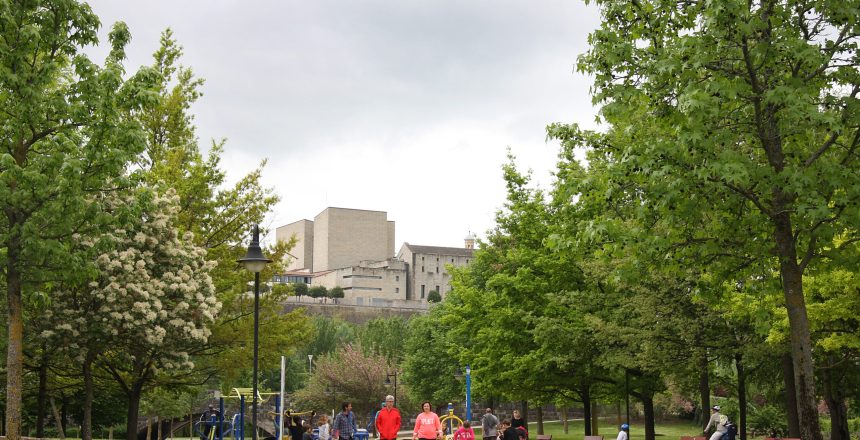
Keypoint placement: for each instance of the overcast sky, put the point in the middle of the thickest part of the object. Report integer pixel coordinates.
(400, 106)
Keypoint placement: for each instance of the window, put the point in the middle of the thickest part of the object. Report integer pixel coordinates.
(422, 291)
(438, 291)
(437, 259)
(452, 260)
(396, 290)
(467, 261)
(397, 278)
(422, 269)
(422, 259)
(437, 269)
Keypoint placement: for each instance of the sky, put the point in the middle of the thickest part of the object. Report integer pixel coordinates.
(408, 107)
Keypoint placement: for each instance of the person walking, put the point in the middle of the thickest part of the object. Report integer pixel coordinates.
(624, 432)
(344, 423)
(388, 420)
(489, 422)
(427, 424)
(719, 422)
(324, 428)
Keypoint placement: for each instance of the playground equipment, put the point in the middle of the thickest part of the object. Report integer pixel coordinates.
(216, 427)
(448, 421)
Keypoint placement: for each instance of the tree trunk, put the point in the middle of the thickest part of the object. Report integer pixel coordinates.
(648, 407)
(835, 399)
(585, 393)
(148, 428)
(742, 396)
(565, 425)
(15, 335)
(57, 419)
(89, 397)
(158, 421)
(524, 410)
(595, 420)
(132, 413)
(540, 420)
(64, 410)
(704, 387)
(801, 345)
(790, 396)
(42, 400)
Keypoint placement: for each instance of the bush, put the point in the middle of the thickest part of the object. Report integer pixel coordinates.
(434, 297)
(767, 420)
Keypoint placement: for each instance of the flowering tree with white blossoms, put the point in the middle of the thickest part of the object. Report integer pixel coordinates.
(151, 303)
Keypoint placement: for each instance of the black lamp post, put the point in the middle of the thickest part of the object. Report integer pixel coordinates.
(255, 261)
(388, 377)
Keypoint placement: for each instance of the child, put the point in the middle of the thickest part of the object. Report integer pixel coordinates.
(465, 432)
(306, 435)
(324, 428)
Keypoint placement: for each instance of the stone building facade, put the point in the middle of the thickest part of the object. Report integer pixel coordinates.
(353, 249)
(427, 268)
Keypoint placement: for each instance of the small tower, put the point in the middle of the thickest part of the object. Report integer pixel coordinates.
(470, 240)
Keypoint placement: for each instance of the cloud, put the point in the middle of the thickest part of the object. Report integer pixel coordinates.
(405, 107)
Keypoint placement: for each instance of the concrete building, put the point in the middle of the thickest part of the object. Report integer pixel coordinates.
(353, 249)
(426, 267)
(368, 282)
(339, 237)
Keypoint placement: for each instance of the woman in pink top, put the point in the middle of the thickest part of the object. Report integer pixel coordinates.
(427, 425)
(465, 432)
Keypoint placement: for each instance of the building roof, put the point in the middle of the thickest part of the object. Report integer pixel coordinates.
(439, 250)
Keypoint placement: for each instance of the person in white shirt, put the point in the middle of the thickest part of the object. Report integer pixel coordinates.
(624, 432)
(719, 422)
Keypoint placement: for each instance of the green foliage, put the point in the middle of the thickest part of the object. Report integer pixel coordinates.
(767, 421)
(429, 364)
(316, 292)
(385, 337)
(301, 289)
(433, 296)
(336, 292)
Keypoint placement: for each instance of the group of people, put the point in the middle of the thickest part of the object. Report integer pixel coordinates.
(507, 429)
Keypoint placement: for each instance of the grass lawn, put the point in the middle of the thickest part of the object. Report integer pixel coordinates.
(608, 429)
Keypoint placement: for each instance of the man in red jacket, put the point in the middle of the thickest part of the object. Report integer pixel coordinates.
(388, 420)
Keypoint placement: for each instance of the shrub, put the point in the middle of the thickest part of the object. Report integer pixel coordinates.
(767, 420)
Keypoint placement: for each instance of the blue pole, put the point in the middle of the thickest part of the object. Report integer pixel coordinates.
(242, 418)
(468, 393)
(220, 418)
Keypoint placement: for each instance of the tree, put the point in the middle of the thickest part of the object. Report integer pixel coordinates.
(363, 386)
(316, 292)
(433, 296)
(64, 139)
(301, 289)
(336, 292)
(153, 298)
(741, 119)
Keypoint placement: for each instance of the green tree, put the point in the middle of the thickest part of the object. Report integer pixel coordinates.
(385, 336)
(151, 300)
(300, 289)
(65, 138)
(336, 292)
(316, 292)
(741, 119)
(433, 296)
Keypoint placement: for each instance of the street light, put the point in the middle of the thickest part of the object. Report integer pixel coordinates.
(255, 261)
(388, 377)
(468, 390)
(310, 363)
